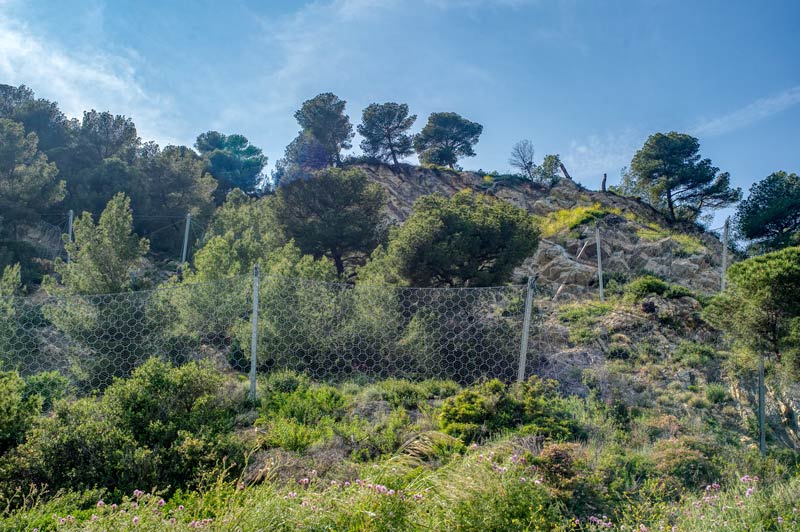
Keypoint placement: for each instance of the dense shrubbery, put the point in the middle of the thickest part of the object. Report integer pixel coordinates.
(487, 408)
(162, 427)
(641, 287)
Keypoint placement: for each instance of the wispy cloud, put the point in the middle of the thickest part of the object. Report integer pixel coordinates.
(80, 81)
(749, 114)
(589, 158)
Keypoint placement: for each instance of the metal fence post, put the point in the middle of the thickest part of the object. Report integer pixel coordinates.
(254, 336)
(186, 237)
(724, 252)
(599, 260)
(762, 438)
(526, 326)
(70, 218)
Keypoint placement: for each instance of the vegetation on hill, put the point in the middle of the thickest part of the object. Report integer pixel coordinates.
(638, 412)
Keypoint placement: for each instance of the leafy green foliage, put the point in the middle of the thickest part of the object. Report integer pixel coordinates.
(232, 160)
(17, 412)
(641, 287)
(322, 117)
(336, 214)
(465, 240)
(669, 171)
(28, 181)
(770, 215)
(445, 138)
(385, 131)
(484, 409)
(760, 307)
(102, 256)
(164, 426)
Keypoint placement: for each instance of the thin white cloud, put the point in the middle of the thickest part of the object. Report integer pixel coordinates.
(589, 158)
(80, 81)
(749, 114)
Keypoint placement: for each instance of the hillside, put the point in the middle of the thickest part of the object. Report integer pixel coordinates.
(635, 237)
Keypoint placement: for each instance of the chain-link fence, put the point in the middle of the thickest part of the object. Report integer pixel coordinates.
(330, 331)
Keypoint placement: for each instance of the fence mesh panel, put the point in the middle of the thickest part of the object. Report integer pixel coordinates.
(330, 331)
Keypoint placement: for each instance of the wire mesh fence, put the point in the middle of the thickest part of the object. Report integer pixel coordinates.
(330, 331)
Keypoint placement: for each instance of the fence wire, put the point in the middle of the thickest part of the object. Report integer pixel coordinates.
(330, 331)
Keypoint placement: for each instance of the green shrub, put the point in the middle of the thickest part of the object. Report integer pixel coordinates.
(717, 393)
(292, 435)
(164, 426)
(488, 407)
(305, 404)
(17, 412)
(619, 351)
(49, 385)
(646, 285)
(694, 355)
(684, 462)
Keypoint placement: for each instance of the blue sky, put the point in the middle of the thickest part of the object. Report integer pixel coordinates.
(587, 80)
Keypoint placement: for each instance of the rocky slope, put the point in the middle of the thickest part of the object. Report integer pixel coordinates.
(635, 238)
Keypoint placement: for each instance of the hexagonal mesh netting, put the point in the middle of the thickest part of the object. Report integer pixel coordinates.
(330, 331)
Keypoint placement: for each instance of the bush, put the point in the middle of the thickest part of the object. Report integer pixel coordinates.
(164, 426)
(17, 412)
(684, 462)
(488, 407)
(49, 385)
(694, 355)
(717, 393)
(644, 286)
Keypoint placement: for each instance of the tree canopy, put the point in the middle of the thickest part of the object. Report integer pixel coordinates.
(336, 213)
(103, 256)
(760, 307)
(671, 174)
(28, 181)
(770, 216)
(233, 161)
(323, 118)
(468, 239)
(445, 138)
(385, 131)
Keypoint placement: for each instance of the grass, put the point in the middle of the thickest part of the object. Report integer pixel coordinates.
(687, 245)
(568, 219)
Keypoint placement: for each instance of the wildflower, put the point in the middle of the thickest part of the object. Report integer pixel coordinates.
(161, 502)
(522, 479)
(780, 519)
(135, 519)
(180, 507)
(138, 493)
(313, 472)
(346, 483)
(62, 520)
(418, 496)
(114, 506)
(94, 517)
(746, 478)
(100, 504)
(749, 492)
(303, 481)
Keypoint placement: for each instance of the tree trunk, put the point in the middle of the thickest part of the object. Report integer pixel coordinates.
(670, 205)
(337, 260)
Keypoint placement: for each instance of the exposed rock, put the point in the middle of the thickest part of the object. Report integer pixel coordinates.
(625, 252)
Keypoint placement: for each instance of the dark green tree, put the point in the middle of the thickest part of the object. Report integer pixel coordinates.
(40, 116)
(466, 240)
(303, 156)
(233, 161)
(103, 256)
(28, 181)
(445, 138)
(172, 181)
(323, 118)
(760, 311)
(677, 180)
(770, 216)
(336, 213)
(385, 131)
